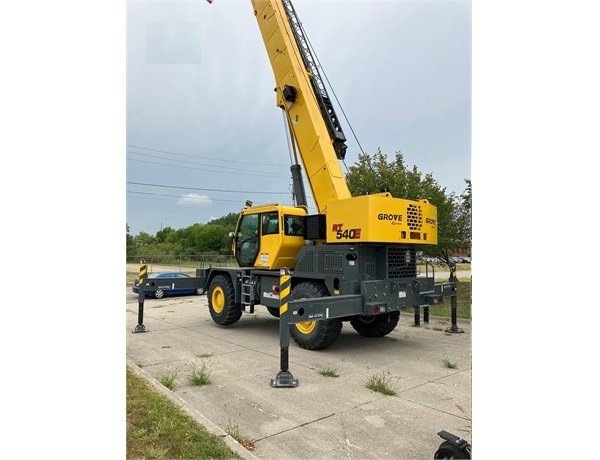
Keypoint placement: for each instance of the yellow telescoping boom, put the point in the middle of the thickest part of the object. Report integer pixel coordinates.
(373, 218)
(355, 260)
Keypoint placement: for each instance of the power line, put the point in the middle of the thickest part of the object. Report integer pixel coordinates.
(227, 168)
(202, 156)
(148, 195)
(205, 189)
(202, 169)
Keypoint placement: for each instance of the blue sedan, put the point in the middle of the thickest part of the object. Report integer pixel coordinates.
(160, 293)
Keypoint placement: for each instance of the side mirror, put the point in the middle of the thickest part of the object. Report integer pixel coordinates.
(231, 235)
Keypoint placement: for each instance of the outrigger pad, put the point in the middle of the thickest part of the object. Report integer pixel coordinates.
(284, 379)
(140, 328)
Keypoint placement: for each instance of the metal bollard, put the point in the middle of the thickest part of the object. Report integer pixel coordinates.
(417, 309)
(284, 379)
(453, 304)
(141, 279)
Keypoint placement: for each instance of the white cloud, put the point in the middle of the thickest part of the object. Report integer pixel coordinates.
(193, 199)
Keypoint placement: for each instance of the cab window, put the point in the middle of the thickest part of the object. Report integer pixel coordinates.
(270, 223)
(294, 225)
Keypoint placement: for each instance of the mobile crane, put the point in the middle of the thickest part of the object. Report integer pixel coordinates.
(355, 259)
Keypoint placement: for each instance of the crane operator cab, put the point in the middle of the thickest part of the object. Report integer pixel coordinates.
(269, 236)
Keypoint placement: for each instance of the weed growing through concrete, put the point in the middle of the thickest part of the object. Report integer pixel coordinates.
(327, 371)
(168, 380)
(381, 383)
(233, 430)
(200, 376)
(449, 364)
(468, 418)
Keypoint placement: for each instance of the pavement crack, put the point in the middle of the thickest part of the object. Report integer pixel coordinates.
(297, 426)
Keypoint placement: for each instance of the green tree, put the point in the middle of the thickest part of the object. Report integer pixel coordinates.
(372, 172)
(145, 239)
(228, 221)
(162, 236)
(466, 212)
(212, 239)
(130, 245)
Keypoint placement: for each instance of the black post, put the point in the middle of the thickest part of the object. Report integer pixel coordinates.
(426, 314)
(284, 378)
(417, 309)
(285, 359)
(141, 279)
(453, 303)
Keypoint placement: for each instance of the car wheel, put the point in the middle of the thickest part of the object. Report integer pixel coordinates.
(159, 294)
(199, 291)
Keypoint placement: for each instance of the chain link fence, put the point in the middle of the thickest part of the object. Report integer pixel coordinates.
(186, 262)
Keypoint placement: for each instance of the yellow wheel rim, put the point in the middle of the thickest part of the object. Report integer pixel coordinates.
(218, 300)
(306, 327)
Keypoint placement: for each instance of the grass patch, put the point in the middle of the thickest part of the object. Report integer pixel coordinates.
(381, 383)
(327, 371)
(463, 302)
(449, 364)
(168, 380)
(233, 430)
(157, 428)
(200, 376)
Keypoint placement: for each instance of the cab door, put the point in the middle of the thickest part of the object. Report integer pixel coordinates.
(246, 241)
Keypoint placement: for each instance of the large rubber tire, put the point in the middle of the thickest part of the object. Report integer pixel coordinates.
(314, 335)
(449, 451)
(221, 301)
(375, 326)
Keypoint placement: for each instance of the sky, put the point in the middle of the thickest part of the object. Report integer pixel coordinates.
(204, 134)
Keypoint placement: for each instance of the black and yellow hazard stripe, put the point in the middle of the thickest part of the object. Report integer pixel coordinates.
(143, 272)
(285, 285)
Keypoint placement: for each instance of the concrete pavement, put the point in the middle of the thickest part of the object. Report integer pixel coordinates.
(324, 417)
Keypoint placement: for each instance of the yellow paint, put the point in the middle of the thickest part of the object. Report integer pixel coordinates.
(362, 219)
(280, 248)
(381, 218)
